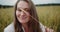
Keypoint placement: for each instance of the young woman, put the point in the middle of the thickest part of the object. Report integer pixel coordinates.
(26, 19)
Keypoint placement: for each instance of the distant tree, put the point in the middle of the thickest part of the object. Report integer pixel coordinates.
(0, 6)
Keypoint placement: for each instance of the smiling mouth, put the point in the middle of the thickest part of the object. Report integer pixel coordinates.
(23, 17)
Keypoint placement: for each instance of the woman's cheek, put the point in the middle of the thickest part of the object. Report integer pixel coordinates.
(17, 14)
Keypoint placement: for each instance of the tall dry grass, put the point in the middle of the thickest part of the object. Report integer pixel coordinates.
(48, 15)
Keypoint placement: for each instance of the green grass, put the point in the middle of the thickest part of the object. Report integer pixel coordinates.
(48, 15)
(6, 17)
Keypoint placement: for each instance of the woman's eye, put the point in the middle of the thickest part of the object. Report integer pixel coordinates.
(27, 10)
(19, 10)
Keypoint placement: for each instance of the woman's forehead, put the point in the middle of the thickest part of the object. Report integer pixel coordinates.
(22, 4)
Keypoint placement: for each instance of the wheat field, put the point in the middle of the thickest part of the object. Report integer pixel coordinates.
(48, 16)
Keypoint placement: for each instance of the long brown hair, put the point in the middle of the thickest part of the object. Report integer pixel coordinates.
(32, 24)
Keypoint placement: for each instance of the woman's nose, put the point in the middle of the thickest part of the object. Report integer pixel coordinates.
(22, 13)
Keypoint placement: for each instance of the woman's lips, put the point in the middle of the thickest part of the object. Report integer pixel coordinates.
(23, 17)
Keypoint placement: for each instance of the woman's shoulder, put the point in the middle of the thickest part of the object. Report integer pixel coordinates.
(45, 29)
(9, 28)
(42, 27)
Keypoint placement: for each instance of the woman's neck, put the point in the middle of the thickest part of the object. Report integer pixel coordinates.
(25, 27)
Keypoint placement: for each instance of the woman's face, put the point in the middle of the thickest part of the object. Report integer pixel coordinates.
(21, 15)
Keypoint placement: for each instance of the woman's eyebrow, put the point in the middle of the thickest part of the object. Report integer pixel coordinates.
(24, 8)
(27, 9)
(18, 8)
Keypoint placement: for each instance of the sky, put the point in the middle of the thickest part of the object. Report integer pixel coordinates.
(12, 2)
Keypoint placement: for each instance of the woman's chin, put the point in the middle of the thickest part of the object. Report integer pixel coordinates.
(23, 21)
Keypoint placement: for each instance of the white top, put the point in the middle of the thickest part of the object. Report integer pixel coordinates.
(10, 28)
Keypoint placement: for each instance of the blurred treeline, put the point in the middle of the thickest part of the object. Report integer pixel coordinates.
(48, 15)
